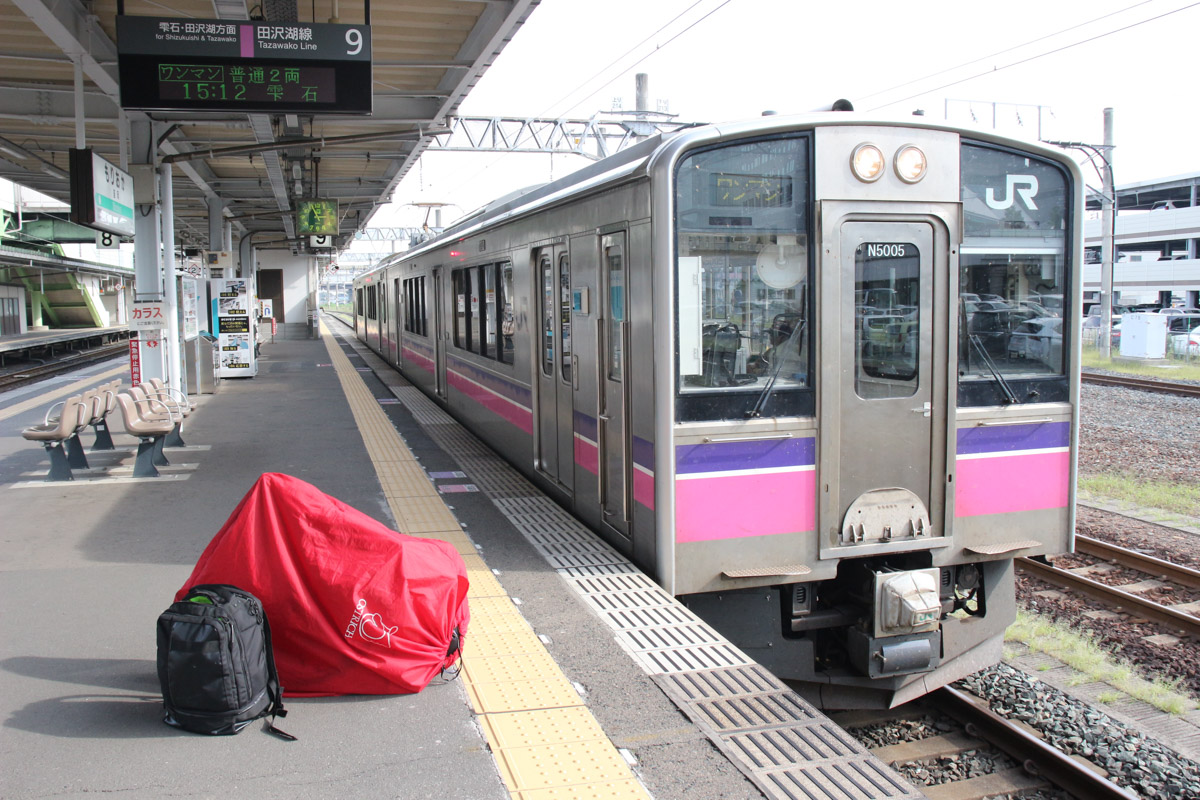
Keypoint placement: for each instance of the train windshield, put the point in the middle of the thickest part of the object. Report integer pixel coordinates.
(1013, 304)
(743, 268)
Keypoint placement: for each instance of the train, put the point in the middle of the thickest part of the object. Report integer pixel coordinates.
(817, 376)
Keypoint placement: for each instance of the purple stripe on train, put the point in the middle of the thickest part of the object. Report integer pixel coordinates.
(755, 455)
(1038, 436)
(776, 492)
(1003, 476)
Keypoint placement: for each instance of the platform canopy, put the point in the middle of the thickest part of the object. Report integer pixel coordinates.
(253, 167)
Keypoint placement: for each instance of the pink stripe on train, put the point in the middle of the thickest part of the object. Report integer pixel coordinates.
(751, 504)
(518, 415)
(1007, 483)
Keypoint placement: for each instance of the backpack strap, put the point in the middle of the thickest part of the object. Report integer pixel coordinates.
(273, 687)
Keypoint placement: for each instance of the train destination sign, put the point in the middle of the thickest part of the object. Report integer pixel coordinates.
(234, 65)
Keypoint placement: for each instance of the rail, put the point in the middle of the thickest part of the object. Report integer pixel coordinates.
(1037, 756)
(1143, 384)
(1111, 595)
(1185, 576)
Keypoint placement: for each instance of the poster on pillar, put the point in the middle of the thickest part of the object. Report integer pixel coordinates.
(231, 304)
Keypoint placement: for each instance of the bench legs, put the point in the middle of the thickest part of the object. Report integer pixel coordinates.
(104, 439)
(75, 455)
(143, 466)
(174, 439)
(60, 467)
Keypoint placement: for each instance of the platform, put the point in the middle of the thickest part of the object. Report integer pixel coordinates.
(552, 702)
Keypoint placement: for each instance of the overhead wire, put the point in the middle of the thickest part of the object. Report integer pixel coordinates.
(1035, 57)
(1002, 52)
(466, 180)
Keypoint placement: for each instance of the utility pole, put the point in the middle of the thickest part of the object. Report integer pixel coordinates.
(1108, 206)
(1107, 250)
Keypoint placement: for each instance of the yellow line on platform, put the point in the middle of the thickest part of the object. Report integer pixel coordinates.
(546, 742)
(63, 391)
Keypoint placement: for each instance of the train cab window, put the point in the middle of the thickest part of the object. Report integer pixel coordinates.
(1014, 324)
(743, 270)
(887, 320)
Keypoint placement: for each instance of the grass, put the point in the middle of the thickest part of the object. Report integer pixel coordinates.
(1176, 498)
(1178, 369)
(1081, 653)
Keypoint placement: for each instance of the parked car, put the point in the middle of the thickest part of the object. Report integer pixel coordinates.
(1038, 340)
(1185, 344)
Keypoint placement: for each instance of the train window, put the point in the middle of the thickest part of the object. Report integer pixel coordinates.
(475, 311)
(488, 276)
(508, 323)
(743, 272)
(460, 286)
(564, 314)
(422, 316)
(546, 275)
(1013, 321)
(887, 327)
(614, 260)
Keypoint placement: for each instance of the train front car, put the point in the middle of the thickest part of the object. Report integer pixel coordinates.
(864, 430)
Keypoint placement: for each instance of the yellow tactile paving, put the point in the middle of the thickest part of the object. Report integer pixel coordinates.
(534, 666)
(455, 537)
(547, 744)
(542, 727)
(562, 764)
(498, 614)
(612, 790)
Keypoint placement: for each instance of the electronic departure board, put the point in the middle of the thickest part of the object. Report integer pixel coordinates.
(236, 65)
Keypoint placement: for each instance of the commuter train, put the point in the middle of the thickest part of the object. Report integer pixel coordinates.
(817, 376)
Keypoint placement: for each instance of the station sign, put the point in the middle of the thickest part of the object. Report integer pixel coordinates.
(101, 194)
(168, 64)
(148, 315)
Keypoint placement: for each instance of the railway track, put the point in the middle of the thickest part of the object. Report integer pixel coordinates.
(1031, 763)
(13, 378)
(1143, 384)
(1183, 621)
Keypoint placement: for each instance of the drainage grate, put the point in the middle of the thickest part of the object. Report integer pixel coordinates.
(783, 744)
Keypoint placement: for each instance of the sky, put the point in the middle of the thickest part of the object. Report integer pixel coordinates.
(1025, 67)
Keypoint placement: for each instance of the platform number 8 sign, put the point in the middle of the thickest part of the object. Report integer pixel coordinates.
(107, 241)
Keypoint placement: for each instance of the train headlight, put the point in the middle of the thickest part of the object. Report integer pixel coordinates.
(910, 163)
(867, 162)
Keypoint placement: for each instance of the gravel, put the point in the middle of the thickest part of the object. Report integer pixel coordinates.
(1131, 759)
(1141, 436)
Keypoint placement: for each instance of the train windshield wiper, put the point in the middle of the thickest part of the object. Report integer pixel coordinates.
(780, 350)
(1009, 397)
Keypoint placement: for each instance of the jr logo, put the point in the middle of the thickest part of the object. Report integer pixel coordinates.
(1025, 186)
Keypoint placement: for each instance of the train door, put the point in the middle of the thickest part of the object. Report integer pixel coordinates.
(397, 323)
(556, 363)
(615, 483)
(885, 384)
(440, 333)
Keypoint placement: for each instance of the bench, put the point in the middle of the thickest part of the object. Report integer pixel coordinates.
(150, 421)
(54, 432)
(107, 396)
(156, 390)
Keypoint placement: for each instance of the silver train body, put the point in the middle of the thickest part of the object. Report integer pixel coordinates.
(817, 376)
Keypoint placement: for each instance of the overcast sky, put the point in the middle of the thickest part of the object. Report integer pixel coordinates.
(1060, 62)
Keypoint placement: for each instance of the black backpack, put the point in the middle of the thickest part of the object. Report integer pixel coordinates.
(215, 664)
